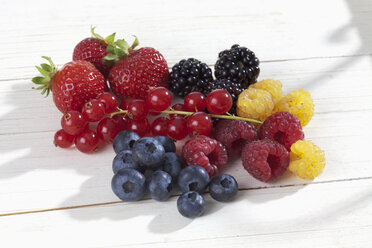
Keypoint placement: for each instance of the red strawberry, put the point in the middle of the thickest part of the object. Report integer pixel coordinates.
(72, 86)
(139, 70)
(94, 49)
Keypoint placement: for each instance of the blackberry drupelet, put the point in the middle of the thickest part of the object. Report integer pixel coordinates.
(239, 64)
(189, 75)
(233, 87)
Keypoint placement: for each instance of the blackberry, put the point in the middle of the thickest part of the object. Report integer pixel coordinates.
(233, 87)
(239, 64)
(189, 75)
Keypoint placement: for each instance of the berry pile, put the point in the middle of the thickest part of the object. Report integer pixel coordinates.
(115, 93)
(284, 117)
(150, 164)
(235, 70)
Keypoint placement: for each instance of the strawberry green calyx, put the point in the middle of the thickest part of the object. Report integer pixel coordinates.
(48, 71)
(119, 49)
(115, 49)
(109, 40)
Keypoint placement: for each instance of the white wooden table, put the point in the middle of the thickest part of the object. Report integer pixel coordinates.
(52, 197)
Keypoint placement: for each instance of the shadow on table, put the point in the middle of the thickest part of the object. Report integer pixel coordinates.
(166, 218)
(359, 20)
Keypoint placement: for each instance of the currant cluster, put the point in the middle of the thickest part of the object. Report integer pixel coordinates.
(180, 120)
(76, 126)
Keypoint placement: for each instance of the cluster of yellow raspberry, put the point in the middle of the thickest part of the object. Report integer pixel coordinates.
(266, 97)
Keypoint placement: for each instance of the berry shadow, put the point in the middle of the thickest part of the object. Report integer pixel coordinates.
(164, 215)
(20, 127)
(248, 183)
(295, 186)
(27, 134)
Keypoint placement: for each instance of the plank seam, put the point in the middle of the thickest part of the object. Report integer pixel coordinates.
(261, 61)
(241, 236)
(176, 195)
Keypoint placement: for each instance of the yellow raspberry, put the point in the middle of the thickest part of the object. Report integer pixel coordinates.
(274, 87)
(255, 103)
(299, 103)
(306, 159)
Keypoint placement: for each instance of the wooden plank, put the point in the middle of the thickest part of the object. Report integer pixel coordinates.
(322, 215)
(274, 30)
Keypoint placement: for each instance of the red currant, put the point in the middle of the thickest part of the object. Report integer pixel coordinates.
(178, 107)
(107, 129)
(125, 103)
(219, 102)
(93, 110)
(159, 99)
(199, 123)
(141, 127)
(63, 139)
(177, 128)
(159, 127)
(123, 121)
(87, 141)
(110, 102)
(73, 122)
(195, 101)
(138, 109)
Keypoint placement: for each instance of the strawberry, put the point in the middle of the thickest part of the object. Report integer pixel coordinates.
(72, 86)
(94, 49)
(136, 71)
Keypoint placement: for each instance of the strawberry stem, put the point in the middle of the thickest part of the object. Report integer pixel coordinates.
(186, 113)
(44, 81)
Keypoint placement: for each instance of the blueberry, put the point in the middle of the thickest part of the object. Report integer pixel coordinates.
(148, 153)
(124, 160)
(191, 204)
(129, 185)
(172, 165)
(223, 188)
(167, 143)
(160, 185)
(193, 178)
(124, 140)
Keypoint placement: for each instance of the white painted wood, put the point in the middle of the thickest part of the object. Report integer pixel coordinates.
(322, 46)
(275, 30)
(321, 215)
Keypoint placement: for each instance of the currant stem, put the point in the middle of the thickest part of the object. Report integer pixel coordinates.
(227, 116)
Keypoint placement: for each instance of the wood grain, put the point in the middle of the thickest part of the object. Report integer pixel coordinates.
(328, 215)
(49, 194)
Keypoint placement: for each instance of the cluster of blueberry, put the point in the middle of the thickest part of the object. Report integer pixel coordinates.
(150, 164)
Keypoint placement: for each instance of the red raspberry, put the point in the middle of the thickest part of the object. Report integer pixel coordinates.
(265, 159)
(205, 152)
(234, 134)
(282, 127)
